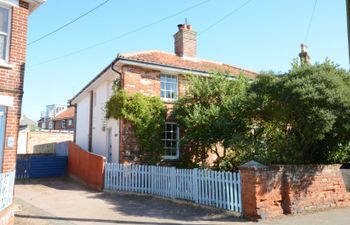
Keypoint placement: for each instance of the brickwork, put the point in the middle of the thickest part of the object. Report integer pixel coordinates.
(11, 81)
(274, 191)
(11, 85)
(147, 82)
(58, 124)
(186, 41)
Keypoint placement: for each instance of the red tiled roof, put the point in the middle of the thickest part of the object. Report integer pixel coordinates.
(66, 114)
(169, 59)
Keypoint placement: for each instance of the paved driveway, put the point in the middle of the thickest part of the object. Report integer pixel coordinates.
(60, 201)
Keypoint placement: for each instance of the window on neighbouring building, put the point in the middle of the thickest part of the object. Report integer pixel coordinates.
(168, 87)
(50, 125)
(171, 141)
(5, 15)
(63, 124)
(70, 122)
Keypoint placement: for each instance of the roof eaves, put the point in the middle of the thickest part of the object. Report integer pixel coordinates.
(164, 65)
(92, 81)
(34, 4)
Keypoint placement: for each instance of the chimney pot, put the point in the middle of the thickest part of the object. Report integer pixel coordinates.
(304, 55)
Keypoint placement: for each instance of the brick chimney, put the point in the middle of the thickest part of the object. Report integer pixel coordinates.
(304, 55)
(185, 41)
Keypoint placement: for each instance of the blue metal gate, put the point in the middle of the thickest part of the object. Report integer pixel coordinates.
(41, 166)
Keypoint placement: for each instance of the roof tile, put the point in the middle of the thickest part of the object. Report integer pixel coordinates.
(66, 114)
(169, 59)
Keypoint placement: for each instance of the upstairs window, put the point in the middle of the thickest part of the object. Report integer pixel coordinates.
(5, 15)
(171, 141)
(168, 87)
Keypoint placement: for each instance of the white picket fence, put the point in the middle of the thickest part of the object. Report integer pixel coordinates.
(7, 182)
(213, 188)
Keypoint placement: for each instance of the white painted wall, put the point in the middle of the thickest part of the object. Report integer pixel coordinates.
(100, 124)
(82, 123)
(22, 142)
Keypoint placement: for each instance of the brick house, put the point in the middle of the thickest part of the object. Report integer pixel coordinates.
(13, 41)
(47, 117)
(153, 73)
(64, 120)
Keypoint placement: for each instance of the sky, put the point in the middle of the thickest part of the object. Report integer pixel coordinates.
(261, 36)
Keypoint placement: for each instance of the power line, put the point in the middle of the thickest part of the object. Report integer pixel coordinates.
(69, 23)
(310, 22)
(121, 35)
(225, 17)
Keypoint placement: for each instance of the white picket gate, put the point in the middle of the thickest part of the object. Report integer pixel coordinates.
(213, 188)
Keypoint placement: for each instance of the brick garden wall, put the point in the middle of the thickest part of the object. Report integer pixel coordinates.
(273, 191)
(37, 142)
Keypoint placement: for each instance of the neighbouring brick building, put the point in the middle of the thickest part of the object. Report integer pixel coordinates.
(65, 120)
(153, 73)
(47, 117)
(13, 41)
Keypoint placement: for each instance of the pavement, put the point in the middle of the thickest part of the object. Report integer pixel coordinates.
(62, 201)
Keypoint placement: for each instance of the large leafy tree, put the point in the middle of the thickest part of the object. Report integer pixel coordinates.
(303, 116)
(212, 114)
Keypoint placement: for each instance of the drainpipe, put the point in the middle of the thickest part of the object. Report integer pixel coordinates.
(90, 120)
(120, 121)
(120, 74)
(75, 123)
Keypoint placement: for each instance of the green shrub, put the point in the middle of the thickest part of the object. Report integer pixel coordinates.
(147, 115)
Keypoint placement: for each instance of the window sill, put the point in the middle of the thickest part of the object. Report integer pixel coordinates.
(170, 158)
(6, 65)
(169, 100)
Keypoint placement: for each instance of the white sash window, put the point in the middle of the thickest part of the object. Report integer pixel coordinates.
(5, 17)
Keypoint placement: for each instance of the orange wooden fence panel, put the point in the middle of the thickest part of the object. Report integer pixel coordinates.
(86, 166)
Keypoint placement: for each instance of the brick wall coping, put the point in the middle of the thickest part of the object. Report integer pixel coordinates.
(253, 165)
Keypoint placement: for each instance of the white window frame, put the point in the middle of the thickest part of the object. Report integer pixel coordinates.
(171, 157)
(70, 122)
(65, 124)
(8, 35)
(165, 90)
